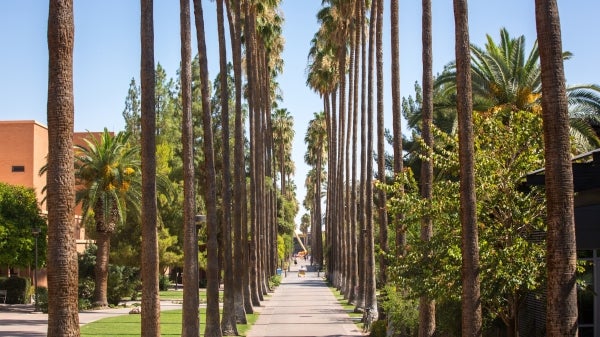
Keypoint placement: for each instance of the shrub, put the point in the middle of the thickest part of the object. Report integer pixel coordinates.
(275, 280)
(122, 283)
(86, 288)
(378, 329)
(18, 290)
(163, 282)
(42, 299)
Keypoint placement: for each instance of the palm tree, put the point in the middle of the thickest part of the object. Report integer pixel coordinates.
(396, 114)
(190, 326)
(228, 322)
(382, 209)
(361, 289)
(212, 289)
(107, 171)
(241, 280)
(63, 318)
(283, 134)
(471, 301)
(561, 257)
(317, 146)
(353, 244)
(369, 247)
(150, 300)
(504, 76)
(427, 305)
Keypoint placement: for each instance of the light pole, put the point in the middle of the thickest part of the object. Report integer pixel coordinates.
(36, 231)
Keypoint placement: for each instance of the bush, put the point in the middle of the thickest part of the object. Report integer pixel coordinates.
(274, 281)
(42, 299)
(401, 312)
(163, 282)
(86, 288)
(18, 290)
(378, 329)
(123, 283)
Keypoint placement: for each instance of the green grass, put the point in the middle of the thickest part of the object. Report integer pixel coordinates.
(130, 325)
(177, 295)
(349, 308)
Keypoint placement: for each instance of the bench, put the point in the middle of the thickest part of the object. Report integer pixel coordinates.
(3, 294)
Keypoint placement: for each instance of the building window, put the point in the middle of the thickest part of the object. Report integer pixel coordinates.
(18, 168)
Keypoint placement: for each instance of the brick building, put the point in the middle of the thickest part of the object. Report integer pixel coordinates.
(23, 151)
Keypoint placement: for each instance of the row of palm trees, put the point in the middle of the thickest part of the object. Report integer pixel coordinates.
(253, 258)
(346, 50)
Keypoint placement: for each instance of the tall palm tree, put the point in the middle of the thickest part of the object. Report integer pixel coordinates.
(212, 290)
(369, 247)
(107, 171)
(241, 280)
(63, 318)
(471, 301)
(228, 321)
(283, 134)
(382, 210)
(426, 304)
(362, 275)
(505, 76)
(190, 324)
(317, 149)
(561, 257)
(150, 270)
(396, 114)
(353, 244)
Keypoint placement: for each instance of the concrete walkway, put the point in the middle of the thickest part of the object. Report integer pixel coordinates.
(300, 306)
(303, 306)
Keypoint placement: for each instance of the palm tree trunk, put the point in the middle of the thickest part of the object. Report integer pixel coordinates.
(63, 318)
(228, 321)
(150, 300)
(383, 220)
(360, 300)
(101, 268)
(239, 179)
(471, 300)
(212, 288)
(353, 261)
(561, 257)
(427, 305)
(369, 251)
(190, 326)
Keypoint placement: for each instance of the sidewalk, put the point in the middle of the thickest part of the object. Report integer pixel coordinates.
(303, 306)
(18, 320)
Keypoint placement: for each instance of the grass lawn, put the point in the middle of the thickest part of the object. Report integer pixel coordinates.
(130, 325)
(349, 308)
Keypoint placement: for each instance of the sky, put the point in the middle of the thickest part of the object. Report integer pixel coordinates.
(107, 53)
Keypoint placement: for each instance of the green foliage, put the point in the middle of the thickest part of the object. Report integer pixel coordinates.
(42, 299)
(19, 214)
(163, 282)
(18, 290)
(402, 312)
(123, 282)
(507, 146)
(378, 329)
(274, 280)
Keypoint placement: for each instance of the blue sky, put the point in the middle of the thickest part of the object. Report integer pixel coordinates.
(107, 52)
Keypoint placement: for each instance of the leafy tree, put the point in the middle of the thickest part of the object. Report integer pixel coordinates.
(19, 214)
(511, 262)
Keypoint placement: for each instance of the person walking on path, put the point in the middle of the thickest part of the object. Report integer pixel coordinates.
(303, 307)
